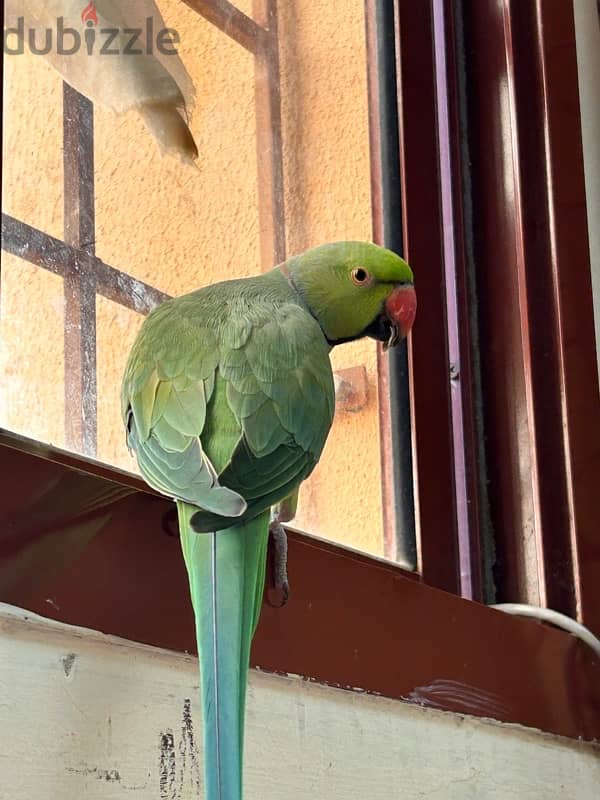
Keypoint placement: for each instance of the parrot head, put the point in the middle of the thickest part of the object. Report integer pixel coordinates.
(356, 289)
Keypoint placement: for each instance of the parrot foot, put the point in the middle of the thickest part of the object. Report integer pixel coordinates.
(280, 578)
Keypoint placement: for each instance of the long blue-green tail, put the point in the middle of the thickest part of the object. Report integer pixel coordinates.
(226, 571)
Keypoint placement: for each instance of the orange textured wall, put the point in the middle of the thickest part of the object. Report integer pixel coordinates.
(178, 228)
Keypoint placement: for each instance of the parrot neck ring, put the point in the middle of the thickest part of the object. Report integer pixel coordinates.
(284, 269)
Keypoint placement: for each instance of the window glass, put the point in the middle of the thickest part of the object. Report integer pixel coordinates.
(32, 364)
(117, 327)
(32, 143)
(174, 227)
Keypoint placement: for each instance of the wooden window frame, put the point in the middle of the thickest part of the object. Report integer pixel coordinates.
(492, 175)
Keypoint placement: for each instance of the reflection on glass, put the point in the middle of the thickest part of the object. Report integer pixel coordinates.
(284, 165)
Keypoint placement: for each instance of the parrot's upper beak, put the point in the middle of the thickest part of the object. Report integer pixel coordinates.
(400, 310)
(396, 318)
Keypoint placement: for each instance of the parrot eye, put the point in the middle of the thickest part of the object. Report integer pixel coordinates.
(360, 276)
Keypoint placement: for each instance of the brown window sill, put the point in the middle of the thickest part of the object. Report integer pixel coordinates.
(352, 621)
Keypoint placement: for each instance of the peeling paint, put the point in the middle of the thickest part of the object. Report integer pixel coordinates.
(101, 774)
(67, 662)
(179, 766)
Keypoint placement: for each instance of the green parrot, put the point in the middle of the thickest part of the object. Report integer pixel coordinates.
(227, 399)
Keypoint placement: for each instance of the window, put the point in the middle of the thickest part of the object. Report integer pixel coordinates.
(99, 229)
(452, 131)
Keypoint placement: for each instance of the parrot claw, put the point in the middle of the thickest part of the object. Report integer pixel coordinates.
(280, 578)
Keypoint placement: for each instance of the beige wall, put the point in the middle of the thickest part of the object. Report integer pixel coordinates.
(178, 228)
(89, 716)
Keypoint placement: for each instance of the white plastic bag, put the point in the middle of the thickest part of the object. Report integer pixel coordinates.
(139, 73)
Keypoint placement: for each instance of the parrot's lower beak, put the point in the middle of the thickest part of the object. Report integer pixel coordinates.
(396, 318)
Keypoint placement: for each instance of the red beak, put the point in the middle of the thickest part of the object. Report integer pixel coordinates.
(401, 309)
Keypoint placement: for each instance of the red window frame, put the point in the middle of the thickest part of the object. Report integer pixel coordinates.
(493, 201)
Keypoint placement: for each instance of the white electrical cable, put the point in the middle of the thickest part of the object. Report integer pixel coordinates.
(554, 618)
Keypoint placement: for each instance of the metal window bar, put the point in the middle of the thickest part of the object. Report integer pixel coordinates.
(392, 369)
(74, 259)
(79, 280)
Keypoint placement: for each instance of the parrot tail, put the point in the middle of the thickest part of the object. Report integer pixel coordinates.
(226, 572)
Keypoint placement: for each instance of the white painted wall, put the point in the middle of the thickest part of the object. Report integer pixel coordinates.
(587, 32)
(89, 717)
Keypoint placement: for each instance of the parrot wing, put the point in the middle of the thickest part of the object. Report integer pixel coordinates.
(279, 387)
(168, 383)
(229, 418)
